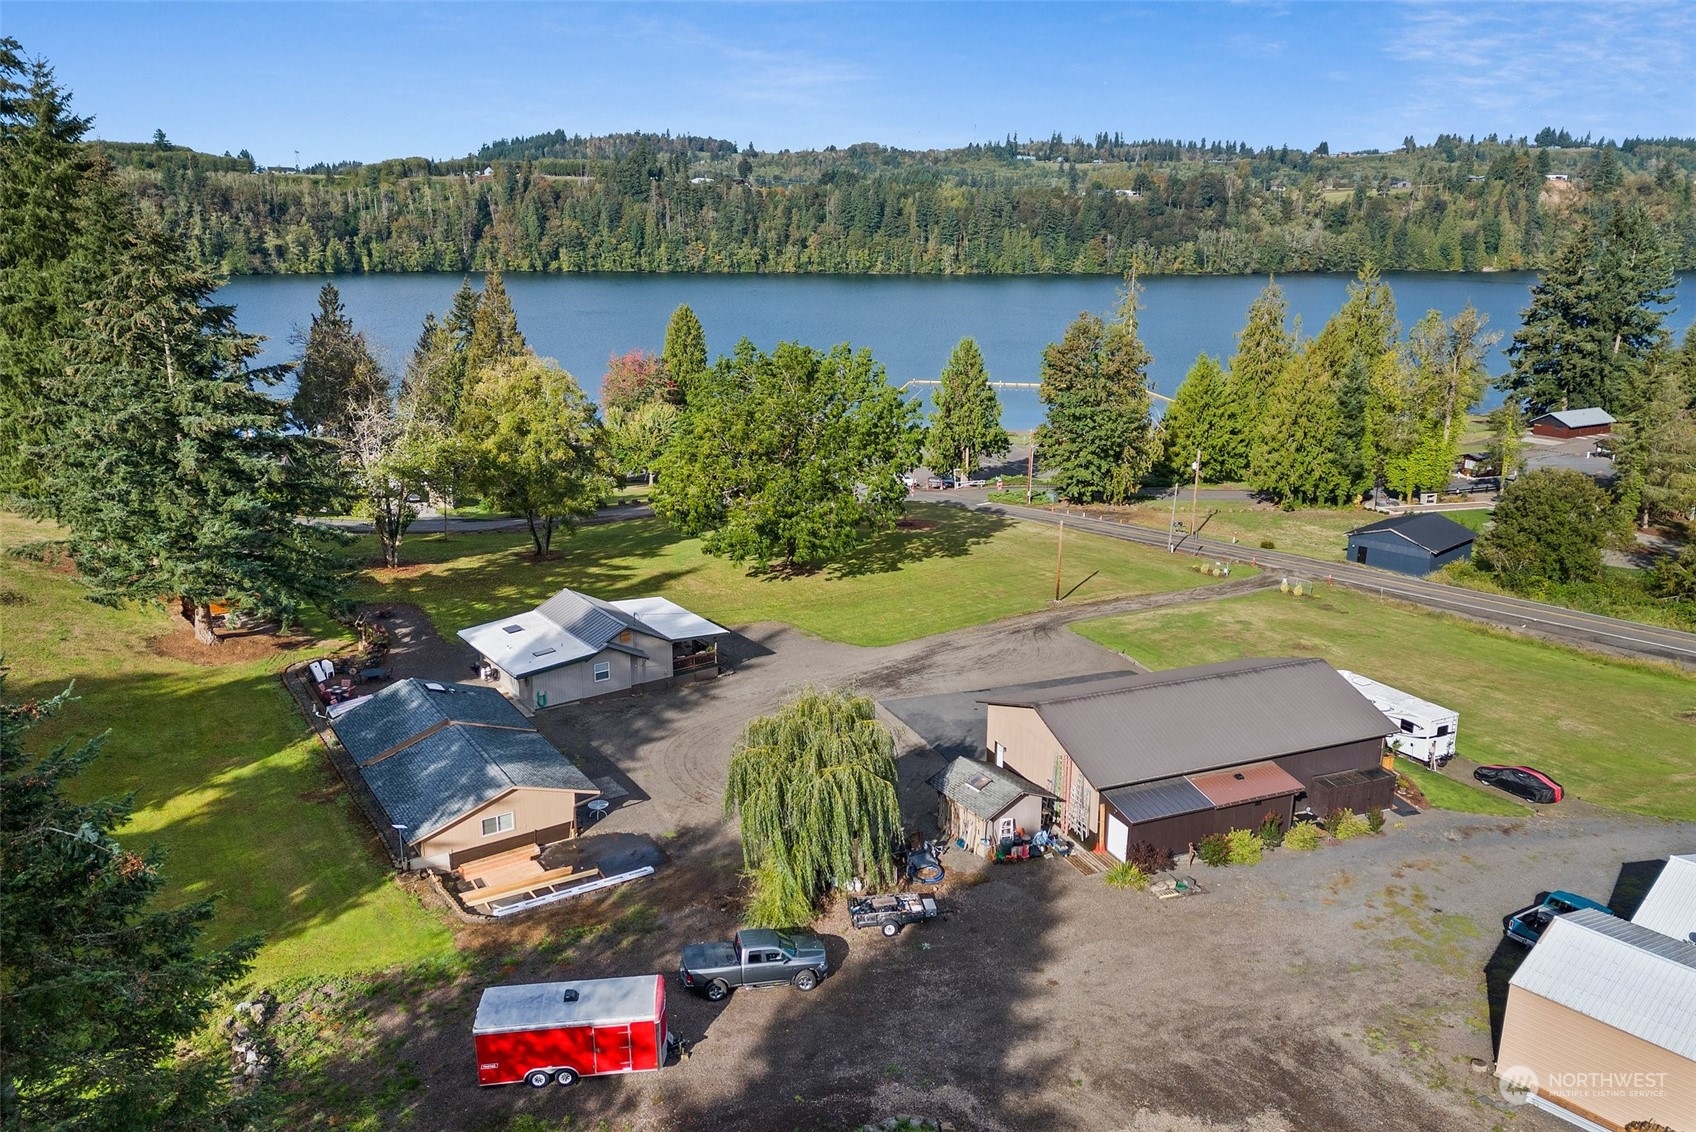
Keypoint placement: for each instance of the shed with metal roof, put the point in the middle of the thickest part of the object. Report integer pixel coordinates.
(1168, 757)
(1416, 544)
(982, 803)
(1568, 424)
(1600, 1024)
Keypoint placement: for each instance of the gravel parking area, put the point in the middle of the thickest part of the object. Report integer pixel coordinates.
(1347, 988)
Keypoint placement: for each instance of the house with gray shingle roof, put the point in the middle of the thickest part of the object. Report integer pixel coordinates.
(460, 772)
(576, 647)
(983, 803)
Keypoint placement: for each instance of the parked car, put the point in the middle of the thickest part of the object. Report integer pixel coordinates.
(910, 480)
(1523, 781)
(940, 483)
(973, 482)
(754, 958)
(1526, 925)
(559, 1033)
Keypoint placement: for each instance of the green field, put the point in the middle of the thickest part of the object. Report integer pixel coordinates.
(968, 569)
(1615, 733)
(226, 778)
(1447, 792)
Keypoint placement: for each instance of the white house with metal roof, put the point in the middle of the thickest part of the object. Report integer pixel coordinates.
(1670, 906)
(1600, 1025)
(575, 647)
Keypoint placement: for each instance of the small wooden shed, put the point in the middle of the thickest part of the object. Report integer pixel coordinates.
(983, 803)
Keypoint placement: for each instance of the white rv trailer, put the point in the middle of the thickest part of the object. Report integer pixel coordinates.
(1425, 732)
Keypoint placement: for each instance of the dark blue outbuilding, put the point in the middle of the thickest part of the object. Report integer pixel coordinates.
(1411, 544)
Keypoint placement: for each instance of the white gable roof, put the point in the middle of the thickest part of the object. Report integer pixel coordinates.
(1670, 907)
(527, 643)
(1619, 973)
(668, 620)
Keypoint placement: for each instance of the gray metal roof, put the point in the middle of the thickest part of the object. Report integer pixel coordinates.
(1427, 530)
(983, 788)
(572, 626)
(1578, 418)
(1670, 906)
(589, 619)
(538, 1006)
(1144, 727)
(1620, 973)
(1150, 801)
(411, 707)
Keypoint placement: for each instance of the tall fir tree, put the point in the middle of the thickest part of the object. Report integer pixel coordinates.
(1356, 344)
(1096, 440)
(685, 349)
(965, 425)
(1264, 346)
(175, 474)
(1300, 434)
(495, 336)
(102, 973)
(1197, 423)
(338, 376)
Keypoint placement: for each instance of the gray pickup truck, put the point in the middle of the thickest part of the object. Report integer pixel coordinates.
(754, 959)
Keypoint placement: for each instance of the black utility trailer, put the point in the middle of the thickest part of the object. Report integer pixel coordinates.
(889, 914)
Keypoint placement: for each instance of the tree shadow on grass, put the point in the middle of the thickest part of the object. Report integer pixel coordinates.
(955, 533)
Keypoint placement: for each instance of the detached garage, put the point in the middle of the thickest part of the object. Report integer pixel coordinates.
(1411, 544)
(1569, 424)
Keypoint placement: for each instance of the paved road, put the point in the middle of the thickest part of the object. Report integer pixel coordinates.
(1627, 638)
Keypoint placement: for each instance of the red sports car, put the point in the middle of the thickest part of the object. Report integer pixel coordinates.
(1532, 785)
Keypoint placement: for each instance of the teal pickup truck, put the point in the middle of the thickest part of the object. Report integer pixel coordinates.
(1526, 926)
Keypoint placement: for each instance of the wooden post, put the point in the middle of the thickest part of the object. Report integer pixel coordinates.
(1195, 493)
(1030, 470)
(1059, 557)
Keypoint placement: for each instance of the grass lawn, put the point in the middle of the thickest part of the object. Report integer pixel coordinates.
(1616, 733)
(226, 778)
(968, 569)
(1447, 792)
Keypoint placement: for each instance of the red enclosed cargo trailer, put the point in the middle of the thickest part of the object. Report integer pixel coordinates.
(562, 1032)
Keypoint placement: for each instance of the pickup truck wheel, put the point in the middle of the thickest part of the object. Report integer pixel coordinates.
(806, 980)
(566, 1078)
(538, 1078)
(891, 929)
(717, 990)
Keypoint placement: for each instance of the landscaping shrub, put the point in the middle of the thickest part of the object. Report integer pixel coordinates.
(1271, 831)
(1127, 875)
(1333, 820)
(1352, 825)
(1268, 544)
(1146, 857)
(1375, 821)
(1303, 837)
(1215, 850)
(1243, 847)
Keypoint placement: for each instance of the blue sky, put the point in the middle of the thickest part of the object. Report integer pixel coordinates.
(373, 80)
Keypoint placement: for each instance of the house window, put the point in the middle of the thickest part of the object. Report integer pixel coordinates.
(500, 823)
(1000, 755)
(1407, 725)
(603, 671)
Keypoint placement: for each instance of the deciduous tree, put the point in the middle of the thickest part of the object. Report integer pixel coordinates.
(534, 445)
(640, 436)
(382, 461)
(636, 379)
(1097, 441)
(814, 786)
(966, 423)
(98, 983)
(1548, 526)
(793, 457)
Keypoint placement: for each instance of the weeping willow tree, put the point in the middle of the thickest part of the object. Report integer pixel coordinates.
(814, 786)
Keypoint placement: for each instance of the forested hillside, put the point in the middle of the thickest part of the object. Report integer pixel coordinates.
(643, 202)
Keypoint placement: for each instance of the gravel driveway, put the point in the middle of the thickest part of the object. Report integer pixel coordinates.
(1341, 989)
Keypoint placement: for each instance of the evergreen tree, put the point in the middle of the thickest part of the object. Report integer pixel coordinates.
(97, 983)
(1197, 423)
(1547, 527)
(337, 375)
(1358, 342)
(1596, 314)
(815, 788)
(533, 445)
(1096, 441)
(436, 375)
(966, 423)
(1657, 457)
(685, 350)
(793, 457)
(174, 473)
(1418, 404)
(59, 214)
(1264, 348)
(1300, 431)
(494, 328)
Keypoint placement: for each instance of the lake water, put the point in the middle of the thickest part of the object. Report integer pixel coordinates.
(911, 324)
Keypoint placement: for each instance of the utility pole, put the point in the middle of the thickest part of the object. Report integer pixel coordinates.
(1059, 557)
(1030, 470)
(1172, 523)
(1195, 493)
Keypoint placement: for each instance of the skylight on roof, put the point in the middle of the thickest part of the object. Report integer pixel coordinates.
(512, 628)
(978, 781)
(543, 652)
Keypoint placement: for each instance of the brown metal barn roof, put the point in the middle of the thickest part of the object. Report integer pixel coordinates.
(1253, 783)
(1145, 726)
